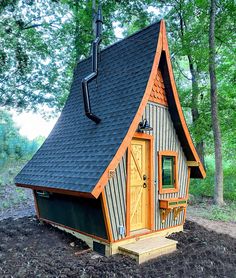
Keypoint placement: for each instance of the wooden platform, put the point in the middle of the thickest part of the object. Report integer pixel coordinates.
(149, 248)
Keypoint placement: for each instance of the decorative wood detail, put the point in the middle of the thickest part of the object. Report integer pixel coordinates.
(173, 203)
(158, 93)
(164, 214)
(177, 205)
(177, 212)
(111, 174)
(161, 46)
(193, 163)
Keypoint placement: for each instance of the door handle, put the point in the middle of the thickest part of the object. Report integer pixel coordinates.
(144, 177)
(144, 185)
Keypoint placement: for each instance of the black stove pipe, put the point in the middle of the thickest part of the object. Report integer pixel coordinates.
(93, 75)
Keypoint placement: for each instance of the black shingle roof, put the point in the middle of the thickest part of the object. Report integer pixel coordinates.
(77, 151)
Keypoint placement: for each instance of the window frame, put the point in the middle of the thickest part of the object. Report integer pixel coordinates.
(176, 183)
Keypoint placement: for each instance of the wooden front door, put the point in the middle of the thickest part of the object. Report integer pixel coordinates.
(139, 184)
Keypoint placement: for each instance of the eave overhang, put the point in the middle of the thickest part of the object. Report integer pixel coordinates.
(187, 143)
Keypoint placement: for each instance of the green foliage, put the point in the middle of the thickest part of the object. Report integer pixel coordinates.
(13, 146)
(36, 44)
(41, 41)
(205, 188)
(224, 213)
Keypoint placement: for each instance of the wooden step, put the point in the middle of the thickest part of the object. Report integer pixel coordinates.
(148, 248)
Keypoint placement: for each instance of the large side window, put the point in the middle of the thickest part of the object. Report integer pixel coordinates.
(168, 177)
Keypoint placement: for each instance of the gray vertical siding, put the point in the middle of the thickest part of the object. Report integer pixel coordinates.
(115, 192)
(165, 138)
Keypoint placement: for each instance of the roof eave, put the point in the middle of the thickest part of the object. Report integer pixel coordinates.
(196, 171)
(57, 190)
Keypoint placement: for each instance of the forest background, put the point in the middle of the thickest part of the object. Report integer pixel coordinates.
(41, 42)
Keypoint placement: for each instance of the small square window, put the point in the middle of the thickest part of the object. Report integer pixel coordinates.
(168, 182)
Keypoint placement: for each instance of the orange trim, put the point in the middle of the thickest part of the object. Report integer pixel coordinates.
(165, 203)
(143, 136)
(176, 185)
(151, 184)
(177, 102)
(146, 233)
(75, 230)
(56, 190)
(152, 99)
(162, 44)
(133, 127)
(36, 205)
(128, 193)
(106, 216)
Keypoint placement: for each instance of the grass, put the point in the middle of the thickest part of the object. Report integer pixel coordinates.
(10, 195)
(205, 208)
(205, 188)
(202, 192)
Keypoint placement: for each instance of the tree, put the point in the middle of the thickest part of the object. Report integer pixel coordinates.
(35, 57)
(218, 194)
(190, 16)
(13, 146)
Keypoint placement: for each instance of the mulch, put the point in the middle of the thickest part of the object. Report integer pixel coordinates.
(30, 249)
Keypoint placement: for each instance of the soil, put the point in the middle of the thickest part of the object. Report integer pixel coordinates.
(220, 227)
(30, 249)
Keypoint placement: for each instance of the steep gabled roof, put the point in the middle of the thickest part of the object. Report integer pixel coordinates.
(78, 153)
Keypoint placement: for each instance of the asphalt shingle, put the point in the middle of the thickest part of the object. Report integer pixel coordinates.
(77, 151)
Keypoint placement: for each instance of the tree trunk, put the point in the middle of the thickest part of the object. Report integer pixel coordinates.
(77, 31)
(194, 106)
(218, 195)
(195, 88)
(94, 15)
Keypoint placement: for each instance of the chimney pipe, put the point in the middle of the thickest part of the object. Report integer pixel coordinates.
(93, 75)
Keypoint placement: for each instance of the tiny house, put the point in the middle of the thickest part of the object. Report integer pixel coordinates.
(122, 172)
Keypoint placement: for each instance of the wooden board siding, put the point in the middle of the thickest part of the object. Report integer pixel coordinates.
(115, 191)
(165, 138)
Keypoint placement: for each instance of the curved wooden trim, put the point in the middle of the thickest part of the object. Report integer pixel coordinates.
(177, 101)
(133, 127)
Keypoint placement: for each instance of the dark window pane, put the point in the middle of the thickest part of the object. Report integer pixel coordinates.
(167, 171)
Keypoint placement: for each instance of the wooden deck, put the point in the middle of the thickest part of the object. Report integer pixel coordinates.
(149, 248)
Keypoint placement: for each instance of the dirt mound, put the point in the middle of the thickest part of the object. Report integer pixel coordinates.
(29, 249)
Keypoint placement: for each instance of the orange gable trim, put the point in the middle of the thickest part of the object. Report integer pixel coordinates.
(162, 45)
(132, 129)
(158, 94)
(178, 105)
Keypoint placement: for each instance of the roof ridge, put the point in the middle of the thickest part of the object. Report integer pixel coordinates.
(121, 40)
